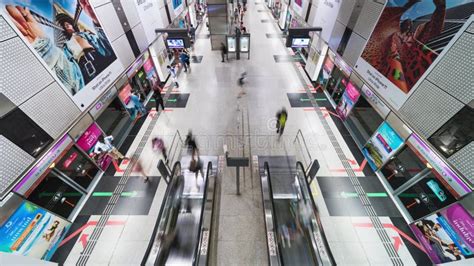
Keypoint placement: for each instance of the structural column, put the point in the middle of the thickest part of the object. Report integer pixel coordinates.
(217, 13)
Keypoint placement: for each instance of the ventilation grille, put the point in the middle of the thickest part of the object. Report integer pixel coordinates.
(370, 14)
(464, 161)
(455, 72)
(17, 84)
(429, 107)
(6, 32)
(14, 162)
(52, 110)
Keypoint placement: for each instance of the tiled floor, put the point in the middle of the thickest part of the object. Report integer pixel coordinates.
(217, 116)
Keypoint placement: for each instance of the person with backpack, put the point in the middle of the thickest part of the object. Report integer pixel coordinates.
(184, 59)
(282, 117)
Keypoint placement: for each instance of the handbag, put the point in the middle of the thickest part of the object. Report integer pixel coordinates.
(193, 165)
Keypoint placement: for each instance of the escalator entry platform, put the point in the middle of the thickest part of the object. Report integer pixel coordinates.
(182, 231)
(294, 232)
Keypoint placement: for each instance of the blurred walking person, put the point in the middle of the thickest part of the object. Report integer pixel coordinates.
(174, 76)
(138, 168)
(158, 145)
(223, 51)
(282, 117)
(158, 99)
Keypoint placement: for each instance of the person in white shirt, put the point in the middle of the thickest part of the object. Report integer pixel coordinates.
(174, 76)
(104, 145)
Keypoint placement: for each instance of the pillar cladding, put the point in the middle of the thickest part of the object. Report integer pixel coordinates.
(217, 13)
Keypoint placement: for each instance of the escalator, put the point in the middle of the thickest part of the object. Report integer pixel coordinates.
(294, 232)
(182, 231)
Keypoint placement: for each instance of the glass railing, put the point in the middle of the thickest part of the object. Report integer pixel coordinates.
(314, 229)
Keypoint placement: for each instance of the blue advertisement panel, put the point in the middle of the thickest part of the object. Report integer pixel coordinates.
(177, 3)
(32, 231)
(384, 143)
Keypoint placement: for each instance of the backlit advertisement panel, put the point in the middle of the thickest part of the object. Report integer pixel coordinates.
(300, 7)
(177, 3)
(87, 143)
(32, 231)
(349, 98)
(71, 42)
(447, 235)
(383, 144)
(406, 40)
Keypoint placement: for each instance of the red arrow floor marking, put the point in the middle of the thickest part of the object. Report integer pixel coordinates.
(397, 242)
(117, 167)
(360, 169)
(83, 240)
(82, 228)
(400, 232)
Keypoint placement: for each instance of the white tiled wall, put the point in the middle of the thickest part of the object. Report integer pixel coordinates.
(45, 105)
(123, 50)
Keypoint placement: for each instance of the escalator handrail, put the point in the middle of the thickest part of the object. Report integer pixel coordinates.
(196, 252)
(176, 166)
(266, 168)
(316, 211)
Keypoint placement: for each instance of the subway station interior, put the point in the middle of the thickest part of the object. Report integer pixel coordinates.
(237, 132)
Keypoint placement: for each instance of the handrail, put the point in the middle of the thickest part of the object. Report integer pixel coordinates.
(332, 261)
(266, 168)
(176, 166)
(196, 252)
(305, 145)
(178, 136)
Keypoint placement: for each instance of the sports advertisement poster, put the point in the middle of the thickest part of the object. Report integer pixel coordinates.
(383, 144)
(448, 235)
(32, 231)
(69, 40)
(407, 39)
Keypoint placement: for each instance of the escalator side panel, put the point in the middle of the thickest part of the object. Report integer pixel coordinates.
(273, 253)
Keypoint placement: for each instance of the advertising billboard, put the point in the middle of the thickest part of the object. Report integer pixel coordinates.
(406, 40)
(177, 3)
(349, 98)
(383, 144)
(87, 143)
(32, 231)
(448, 235)
(70, 41)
